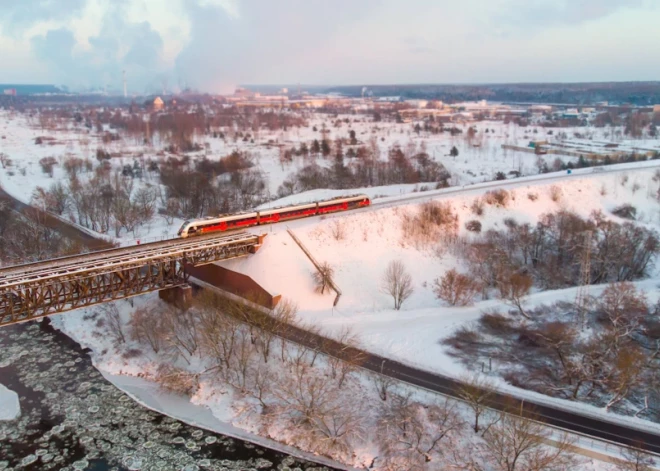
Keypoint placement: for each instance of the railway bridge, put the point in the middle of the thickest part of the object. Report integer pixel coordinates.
(48, 287)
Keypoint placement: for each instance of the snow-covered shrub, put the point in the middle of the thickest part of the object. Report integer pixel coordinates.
(47, 164)
(456, 289)
(498, 198)
(435, 221)
(555, 193)
(176, 380)
(478, 206)
(473, 226)
(625, 211)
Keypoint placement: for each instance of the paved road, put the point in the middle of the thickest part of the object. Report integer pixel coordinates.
(570, 420)
(573, 421)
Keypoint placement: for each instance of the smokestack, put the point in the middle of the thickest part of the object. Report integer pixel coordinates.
(125, 90)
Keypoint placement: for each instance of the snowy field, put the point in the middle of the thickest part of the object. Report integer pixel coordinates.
(359, 247)
(368, 240)
(479, 158)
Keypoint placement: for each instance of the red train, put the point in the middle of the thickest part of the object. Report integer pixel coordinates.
(269, 216)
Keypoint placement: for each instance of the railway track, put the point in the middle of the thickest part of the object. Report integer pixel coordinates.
(571, 420)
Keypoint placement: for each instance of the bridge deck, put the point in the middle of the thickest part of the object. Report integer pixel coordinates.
(107, 259)
(42, 288)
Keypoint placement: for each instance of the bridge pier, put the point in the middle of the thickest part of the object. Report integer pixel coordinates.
(253, 249)
(180, 295)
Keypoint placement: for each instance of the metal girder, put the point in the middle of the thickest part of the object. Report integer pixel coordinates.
(56, 286)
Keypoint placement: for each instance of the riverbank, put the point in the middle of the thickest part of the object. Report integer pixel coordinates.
(73, 418)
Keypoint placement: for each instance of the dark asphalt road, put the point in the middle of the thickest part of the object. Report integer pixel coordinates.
(572, 421)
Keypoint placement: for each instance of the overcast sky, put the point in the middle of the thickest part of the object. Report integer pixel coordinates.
(212, 45)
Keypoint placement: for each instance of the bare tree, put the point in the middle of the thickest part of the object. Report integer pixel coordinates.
(180, 329)
(338, 230)
(323, 277)
(520, 443)
(513, 288)
(113, 318)
(383, 385)
(262, 384)
(275, 323)
(319, 418)
(218, 330)
(456, 289)
(348, 358)
(477, 392)
(397, 283)
(244, 353)
(411, 432)
(146, 326)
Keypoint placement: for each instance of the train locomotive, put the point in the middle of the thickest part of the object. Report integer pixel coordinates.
(269, 216)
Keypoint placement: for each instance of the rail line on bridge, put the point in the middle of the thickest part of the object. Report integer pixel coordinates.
(40, 289)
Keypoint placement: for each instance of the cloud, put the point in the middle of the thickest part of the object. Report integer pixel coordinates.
(213, 45)
(259, 39)
(18, 15)
(56, 46)
(146, 48)
(524, 14)
(119, 45)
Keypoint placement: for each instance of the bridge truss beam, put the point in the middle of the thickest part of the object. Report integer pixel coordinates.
(53, 287)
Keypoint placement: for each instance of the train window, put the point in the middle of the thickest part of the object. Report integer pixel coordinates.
(182, 227)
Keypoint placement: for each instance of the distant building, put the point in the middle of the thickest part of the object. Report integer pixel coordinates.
(159, 104)
(656, 108)
(417, 103)
(388, 98)
(243, 92)
(10, 91)
(540, 108)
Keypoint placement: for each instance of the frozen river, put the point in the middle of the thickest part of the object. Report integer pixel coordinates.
(71, 418)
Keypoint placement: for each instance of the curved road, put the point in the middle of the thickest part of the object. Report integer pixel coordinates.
(569, 420)
(573, 421)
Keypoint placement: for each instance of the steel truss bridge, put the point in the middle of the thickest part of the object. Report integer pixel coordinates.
(43, 288)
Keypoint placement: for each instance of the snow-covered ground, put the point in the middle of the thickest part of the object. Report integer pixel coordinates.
(479, 159)
(10, 408)
(371, 238)
(151, 395)
(358, 246)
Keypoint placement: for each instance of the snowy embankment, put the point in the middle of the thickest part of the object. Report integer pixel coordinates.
(10, 408)
(149, 394)
(359, 246)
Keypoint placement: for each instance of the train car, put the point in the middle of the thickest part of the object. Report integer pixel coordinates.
(270, 216)
(211, 224)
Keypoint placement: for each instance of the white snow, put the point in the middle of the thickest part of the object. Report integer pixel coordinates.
(10, 408)
(150, 395)
(372, 238)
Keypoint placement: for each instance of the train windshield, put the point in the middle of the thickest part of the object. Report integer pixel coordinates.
(182, 227)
